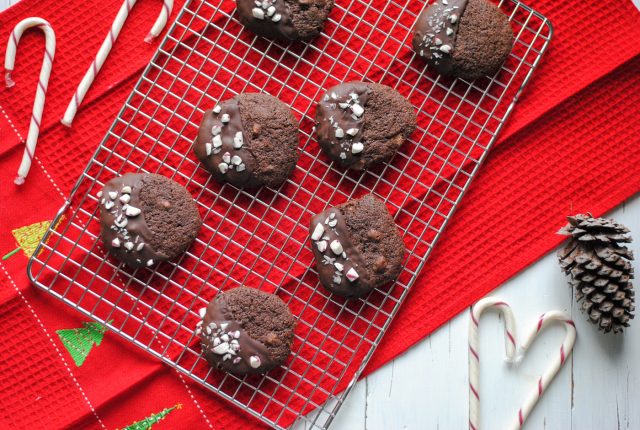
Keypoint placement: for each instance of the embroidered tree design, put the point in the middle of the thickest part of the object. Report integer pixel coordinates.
(79, 341)
(28, 238)
(146, 423)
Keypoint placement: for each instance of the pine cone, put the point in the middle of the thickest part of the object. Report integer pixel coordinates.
(600, 270)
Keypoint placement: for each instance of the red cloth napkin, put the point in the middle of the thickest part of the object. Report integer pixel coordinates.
(571, 145)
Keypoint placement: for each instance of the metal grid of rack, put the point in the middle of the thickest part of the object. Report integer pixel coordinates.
(260, 238)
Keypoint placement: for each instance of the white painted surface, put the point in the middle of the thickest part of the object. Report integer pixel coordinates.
(426, 388)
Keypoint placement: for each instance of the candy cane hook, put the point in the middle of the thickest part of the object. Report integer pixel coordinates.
(474, 358)
(105, 49)
(41, 91)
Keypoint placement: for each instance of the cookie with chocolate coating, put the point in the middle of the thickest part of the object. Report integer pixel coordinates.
(359, 124)
(357, 247)
(249, 141)
(147, 218)
(246, 331)
(463, 38)
(286, 20)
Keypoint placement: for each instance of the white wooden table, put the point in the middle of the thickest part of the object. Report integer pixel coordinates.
(427, 388)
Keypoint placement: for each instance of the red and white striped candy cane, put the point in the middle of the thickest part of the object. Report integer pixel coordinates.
(512, 353)
(41, 91)
(511, 336)
(105, 49)
(546, 319)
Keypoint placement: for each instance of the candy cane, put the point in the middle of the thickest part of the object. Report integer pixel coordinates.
(41, 91)
(545, 379)
(105, 49)
(474, 358)
(511, 344)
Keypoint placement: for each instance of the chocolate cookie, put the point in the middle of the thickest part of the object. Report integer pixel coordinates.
(463, 38)
(287, 20)
(357, 247)
(249, 141)
(245, 331)
(147, 218)
(359, 124)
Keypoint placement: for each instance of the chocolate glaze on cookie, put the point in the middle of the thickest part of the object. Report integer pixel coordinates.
(249, 141)
(287, 20)
(147, 218)
(359, 124)
(246, 331)
(463, 38)
(357, 247)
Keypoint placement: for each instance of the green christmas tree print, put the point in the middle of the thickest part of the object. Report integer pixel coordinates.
(79, 341)
(148, 422)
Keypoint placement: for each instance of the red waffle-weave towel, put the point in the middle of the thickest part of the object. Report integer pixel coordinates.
(571, 145)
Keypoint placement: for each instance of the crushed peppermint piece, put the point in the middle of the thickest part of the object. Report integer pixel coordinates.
(449, 31)
(113, 195)
(217, 141)
(150, 262)
(343, 105)
(108, 204)
(357, 110)
(125, 198)
(240, 167)
(208, 330)
(99, 194)
(226, 157)
(337, 278)
(343, 155)
(257, 13)
(254, 361)
(224, 326)
(277, 17)
(208, 148)
(237, 360)
(336, 247)
(339, 266)
(317, 232)
(352, 275)
(236, 160)
(217, 109)
(202, 311)
(225, 118)
(223, 167)
(328, 261)
(357, 148)
(271, 10)
(453, 18)
(128, 246)
(238, 140)
(132, 211)
(445, 48)
(332, 223)
(322, 245)
(438, 41)
(140, 246)
(216, 130)
(120, 221)
(339, 133)
(221, 349)
(352, 131)
(115, 243)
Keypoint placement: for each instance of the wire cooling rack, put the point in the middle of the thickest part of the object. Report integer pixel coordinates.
(260, 239)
